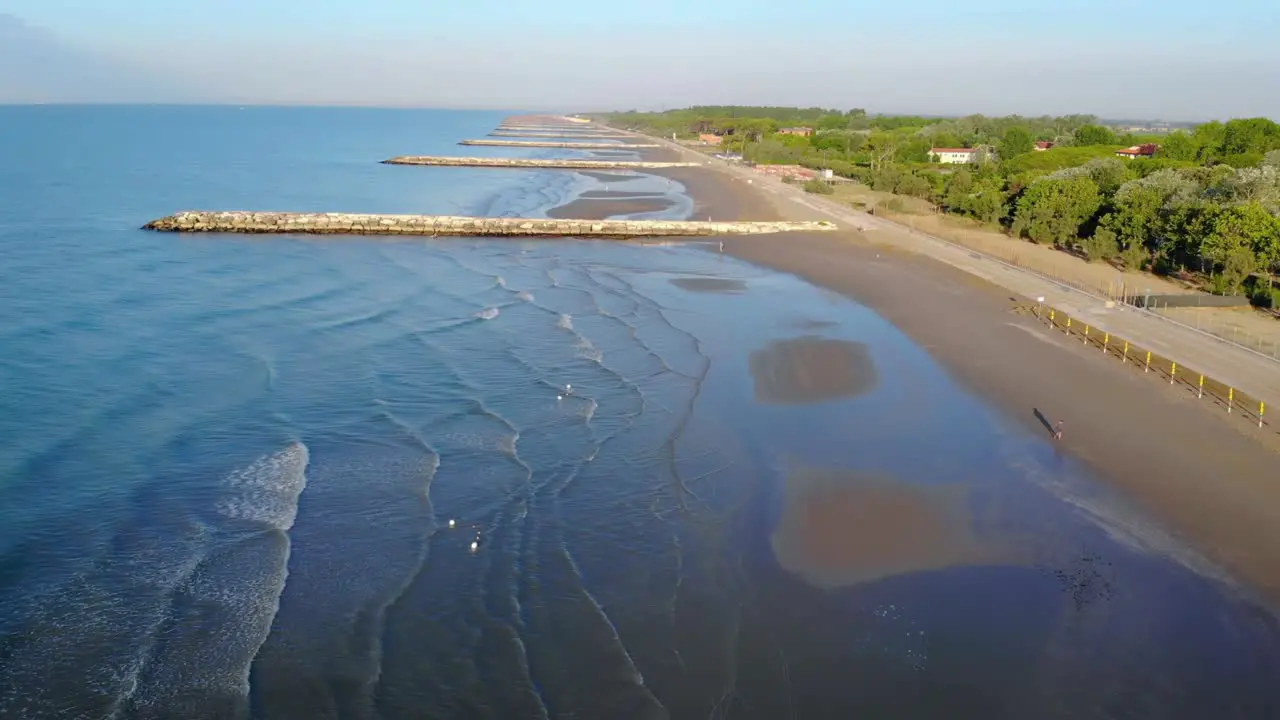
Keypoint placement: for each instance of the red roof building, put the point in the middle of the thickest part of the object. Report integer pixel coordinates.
(1138, 151)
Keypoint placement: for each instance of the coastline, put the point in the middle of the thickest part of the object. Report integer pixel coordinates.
(1217, 494)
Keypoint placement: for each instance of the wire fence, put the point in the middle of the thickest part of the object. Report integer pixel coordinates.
(1220, 394)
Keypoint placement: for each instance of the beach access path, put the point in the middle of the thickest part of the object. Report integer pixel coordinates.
(1250, 372)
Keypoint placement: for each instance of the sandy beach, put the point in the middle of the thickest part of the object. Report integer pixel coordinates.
(1178, 460)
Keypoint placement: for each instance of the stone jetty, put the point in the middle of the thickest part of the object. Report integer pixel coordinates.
(549, 144)
(566, 136)
(543, 128)
(568, 164)
(447, 225)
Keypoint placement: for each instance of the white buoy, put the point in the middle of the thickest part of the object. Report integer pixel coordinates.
(475, 546)
(568, 388)
(559, 397)
(453, 523)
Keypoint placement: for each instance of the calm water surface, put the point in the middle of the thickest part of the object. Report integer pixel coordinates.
(243, 477)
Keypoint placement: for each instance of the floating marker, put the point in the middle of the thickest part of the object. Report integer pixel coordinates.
(453, 523)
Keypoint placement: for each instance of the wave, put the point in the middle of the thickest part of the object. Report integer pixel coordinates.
(324, 654)
(168, 623)
(267, 491)
(221, 616)
(565, 322)
(488, 313)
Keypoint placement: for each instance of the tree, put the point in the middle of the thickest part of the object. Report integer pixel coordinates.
(1184, 225)
(1133, 217)
(1178, 146)
(1252, 135)
(986, 202)
(1052, 211)
(1208, 139)
(913, 185)
(882, 146)
(1016, 141)
(832, 122)
(958, 186)
(1094, 135)
(1242, 239)
(1102, 245)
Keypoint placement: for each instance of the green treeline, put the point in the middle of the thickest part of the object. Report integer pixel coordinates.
(1206, 204)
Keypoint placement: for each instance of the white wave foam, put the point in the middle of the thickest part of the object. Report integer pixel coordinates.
(565, 322)
(501, 281)
(524, 296)
(588, 351)
(267, 490)
(507, 444)
(222, 614)
(488, 313)
(168, 624)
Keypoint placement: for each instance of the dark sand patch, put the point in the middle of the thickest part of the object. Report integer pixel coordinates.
(811, 324)
(710, 285)
(812, 370)
(602, 209)
(620, 195)
(609, 177)
(841, 528)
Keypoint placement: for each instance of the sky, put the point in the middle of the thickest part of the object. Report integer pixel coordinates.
(1121, 59)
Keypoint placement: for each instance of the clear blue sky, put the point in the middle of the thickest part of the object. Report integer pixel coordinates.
(1168, 59)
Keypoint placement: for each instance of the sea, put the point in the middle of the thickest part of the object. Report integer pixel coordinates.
(328, 477)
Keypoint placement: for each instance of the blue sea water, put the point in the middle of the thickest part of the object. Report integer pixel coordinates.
(299, 477)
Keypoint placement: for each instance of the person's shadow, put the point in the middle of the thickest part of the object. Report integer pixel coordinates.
(1043, 421)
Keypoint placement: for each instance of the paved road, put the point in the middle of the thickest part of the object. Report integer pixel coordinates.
(1252, 373)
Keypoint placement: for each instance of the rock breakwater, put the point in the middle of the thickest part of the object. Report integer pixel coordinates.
(561, 135)
(568, 164)
(451, 225)
(549, 144)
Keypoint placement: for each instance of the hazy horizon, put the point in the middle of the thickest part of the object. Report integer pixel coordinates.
(1141, 62)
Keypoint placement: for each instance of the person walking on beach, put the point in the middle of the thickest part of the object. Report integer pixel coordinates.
(1057, 431)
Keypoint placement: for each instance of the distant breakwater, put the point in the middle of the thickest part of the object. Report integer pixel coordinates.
(547, 144)
(573, 136)
(568, 164)
(550, 127)
(449, 225)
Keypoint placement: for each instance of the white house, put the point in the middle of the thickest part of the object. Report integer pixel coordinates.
(954, 156)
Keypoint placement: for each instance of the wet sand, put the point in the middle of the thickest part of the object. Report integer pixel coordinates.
(1174, 457)
(810, 370)
(608, 177)
(601, 209)
(839, 528)
(619, 195)
(714, 285)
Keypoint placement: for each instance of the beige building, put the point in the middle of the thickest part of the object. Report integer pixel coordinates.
(954, 156)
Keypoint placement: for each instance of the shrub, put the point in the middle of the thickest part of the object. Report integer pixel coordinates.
(818, 187)
(1102, 245)
(1134, 257)
(892, 205)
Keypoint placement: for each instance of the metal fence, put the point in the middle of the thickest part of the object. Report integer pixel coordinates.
(1205, 388)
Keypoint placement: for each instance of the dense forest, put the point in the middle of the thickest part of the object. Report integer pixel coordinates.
(1207, 203)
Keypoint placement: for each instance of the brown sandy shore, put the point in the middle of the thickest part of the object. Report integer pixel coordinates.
(1200, 476)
